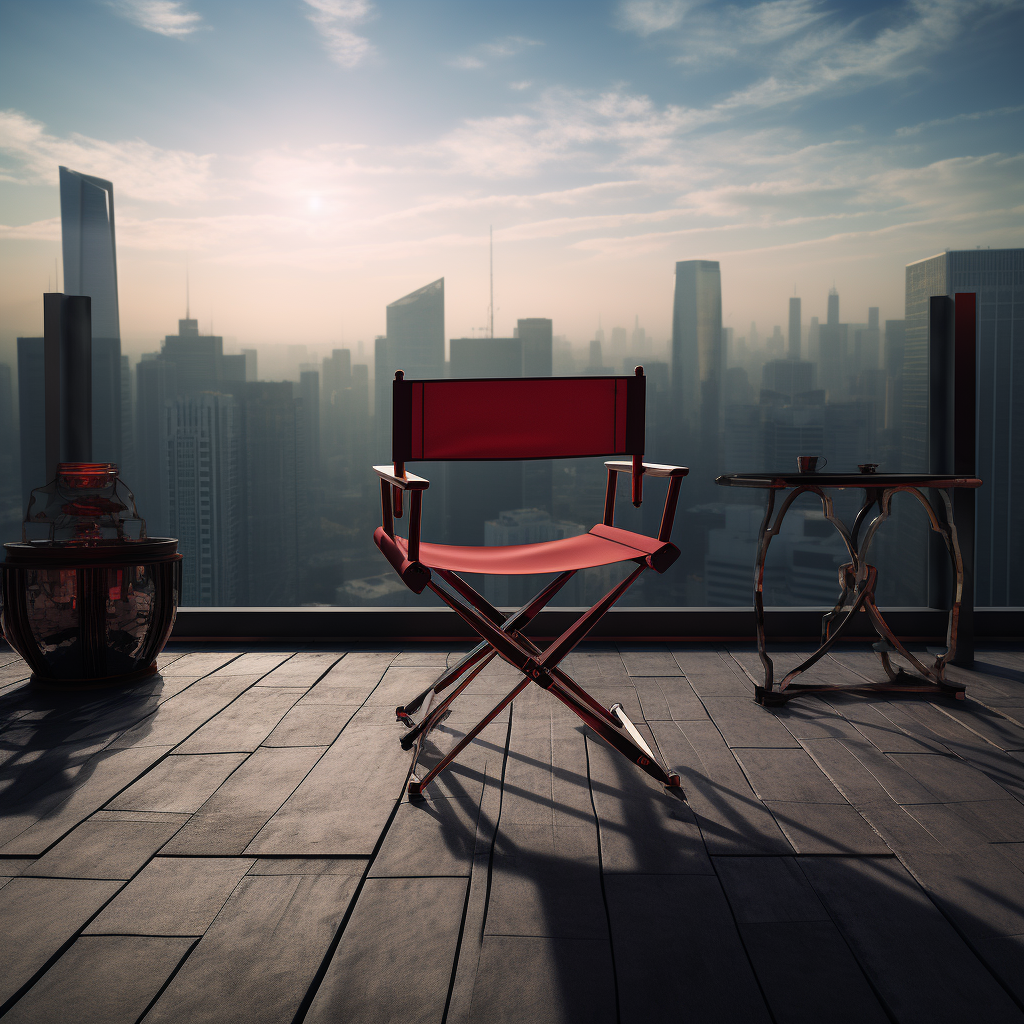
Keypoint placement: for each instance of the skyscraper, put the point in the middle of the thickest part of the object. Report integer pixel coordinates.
(155, 386)
(202, 438)
(90, 268)
(415, 331)
(793, 350)
(832, 354)
(414, 343)
(274, 468)
(833, 306)
(996, 276)
(698, 370)
(535, 334)
(199, 358)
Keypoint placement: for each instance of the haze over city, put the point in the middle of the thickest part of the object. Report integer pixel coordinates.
(314, 161)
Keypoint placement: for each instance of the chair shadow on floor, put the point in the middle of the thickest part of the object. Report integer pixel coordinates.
(641, 924)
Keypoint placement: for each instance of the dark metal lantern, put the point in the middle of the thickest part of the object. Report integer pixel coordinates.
(88, 598)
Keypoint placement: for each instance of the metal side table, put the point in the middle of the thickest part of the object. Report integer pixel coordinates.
(857, 578)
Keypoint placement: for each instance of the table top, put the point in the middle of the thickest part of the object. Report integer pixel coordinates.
(781, 481)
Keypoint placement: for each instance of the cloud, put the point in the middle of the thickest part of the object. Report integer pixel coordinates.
(333, 20)
(914, 129)
(480, 56)
(137, 168)
(646, 17)
(165, 17)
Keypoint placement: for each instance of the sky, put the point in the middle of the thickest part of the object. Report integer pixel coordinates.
(312, 160)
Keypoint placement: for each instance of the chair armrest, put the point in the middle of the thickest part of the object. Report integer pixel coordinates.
(674, 474)
(407, 482)
(650, 469)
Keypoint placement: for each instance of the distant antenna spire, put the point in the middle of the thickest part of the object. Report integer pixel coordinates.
(490, 230)
(188, 314)
(56, 274)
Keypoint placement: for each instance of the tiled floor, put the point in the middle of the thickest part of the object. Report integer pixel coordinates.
(229, 842)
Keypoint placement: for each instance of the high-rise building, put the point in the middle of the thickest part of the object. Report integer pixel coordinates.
(199, 358)
(202, 439)
(793, 350)
(155, 387)
(833, 306)
(187, 364)
(415, 332)
(996, 276)
(414, 343)
(90, 268)
(698, 369)
(276, 485)
(832, 351)
(536, 335)
(697, 366)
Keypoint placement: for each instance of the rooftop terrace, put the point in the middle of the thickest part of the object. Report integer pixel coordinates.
(230, 841)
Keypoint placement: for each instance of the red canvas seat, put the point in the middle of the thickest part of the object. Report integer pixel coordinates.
(584, 552)
(521, 418)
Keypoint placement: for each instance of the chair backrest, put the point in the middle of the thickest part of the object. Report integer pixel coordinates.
(517, 418)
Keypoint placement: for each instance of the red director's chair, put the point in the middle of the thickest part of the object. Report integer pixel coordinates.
(521, 418)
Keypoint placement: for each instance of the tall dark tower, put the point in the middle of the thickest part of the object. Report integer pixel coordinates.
(697, 343)
(90, 268)
(833, 306)
(698, 367)
(794, 329)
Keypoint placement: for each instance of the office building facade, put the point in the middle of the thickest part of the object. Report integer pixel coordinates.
(996, 277)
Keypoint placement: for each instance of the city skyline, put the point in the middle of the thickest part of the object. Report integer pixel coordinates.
(312, 161)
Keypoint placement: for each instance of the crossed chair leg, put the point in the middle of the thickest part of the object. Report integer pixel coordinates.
(503, 637)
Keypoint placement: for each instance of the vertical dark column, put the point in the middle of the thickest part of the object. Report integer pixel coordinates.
(964, 449)
(941, 417)
(52, 305)
(76, 379)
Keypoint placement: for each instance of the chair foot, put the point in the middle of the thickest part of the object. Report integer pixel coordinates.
(673, 781)
(403, 717)
(415, 789)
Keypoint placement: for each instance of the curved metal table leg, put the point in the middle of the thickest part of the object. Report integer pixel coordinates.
(768, 694)
(857, 582)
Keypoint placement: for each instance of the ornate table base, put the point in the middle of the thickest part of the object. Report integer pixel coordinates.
(857, 580)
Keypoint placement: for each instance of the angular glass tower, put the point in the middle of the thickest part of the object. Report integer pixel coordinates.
(698, 369)
(697, 341)
(90, 268)
(996, 276)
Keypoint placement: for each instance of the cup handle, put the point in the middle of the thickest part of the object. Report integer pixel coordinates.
(823, 462)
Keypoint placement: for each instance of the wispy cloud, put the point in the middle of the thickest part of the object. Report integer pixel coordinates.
(978, 115)
(334, 21)
(482, 55)
(137, 168)
(165, 17)
(646, 17)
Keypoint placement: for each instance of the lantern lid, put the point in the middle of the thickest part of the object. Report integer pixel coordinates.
(85, 505)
